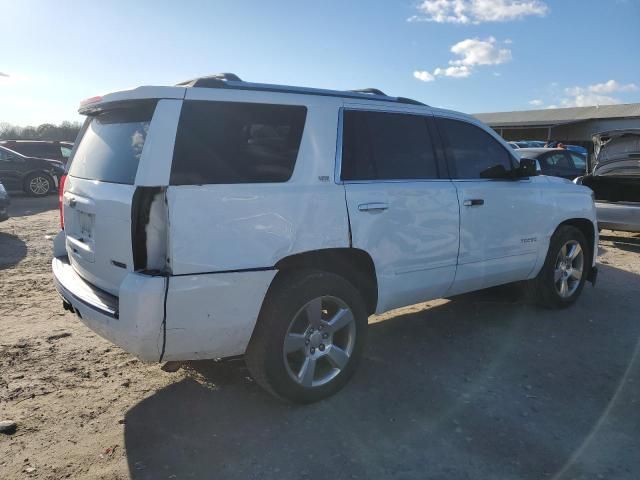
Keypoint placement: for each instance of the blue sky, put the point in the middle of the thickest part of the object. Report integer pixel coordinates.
(475, 55)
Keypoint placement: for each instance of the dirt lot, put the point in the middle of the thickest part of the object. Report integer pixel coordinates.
(480, 386)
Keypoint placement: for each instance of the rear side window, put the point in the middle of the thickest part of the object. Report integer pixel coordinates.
(386, 146)
(233, 142)
(111, 145)
(37, 150)
(472, 151)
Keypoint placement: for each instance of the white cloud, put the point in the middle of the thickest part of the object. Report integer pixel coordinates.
(595, 94)
(461, 71)
(477, 11)
(471, 53)
(474, 51)
(536, 102)
(612, 86)
(423, 75)
(588, 99)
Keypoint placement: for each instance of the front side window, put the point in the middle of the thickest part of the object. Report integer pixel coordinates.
(234, 142)
(386, 146)
(473, 152)
(579, 161)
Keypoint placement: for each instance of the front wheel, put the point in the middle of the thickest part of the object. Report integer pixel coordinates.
(309, 337)
(565, 270)
(39, 184)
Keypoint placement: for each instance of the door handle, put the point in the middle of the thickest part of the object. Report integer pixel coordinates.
(473, 202)
(373, 206)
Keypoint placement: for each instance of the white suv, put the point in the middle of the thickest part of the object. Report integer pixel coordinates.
(219, 218)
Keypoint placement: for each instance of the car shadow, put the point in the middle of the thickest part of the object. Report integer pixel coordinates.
(23, 205)
(626, 243)
(12, 250)
(481, 386)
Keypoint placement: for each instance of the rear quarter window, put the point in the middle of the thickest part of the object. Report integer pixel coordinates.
(111, 144)
(235, 142)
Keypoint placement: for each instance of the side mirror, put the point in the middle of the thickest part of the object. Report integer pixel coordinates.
(529, 167)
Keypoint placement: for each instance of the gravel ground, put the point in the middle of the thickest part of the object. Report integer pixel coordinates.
(479, 386)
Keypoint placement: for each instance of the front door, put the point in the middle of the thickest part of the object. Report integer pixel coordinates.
(499, 218)
(11, 167)
(401, 210)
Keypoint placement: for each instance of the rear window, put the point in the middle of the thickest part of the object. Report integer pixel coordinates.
(232, 142)
(111, 144)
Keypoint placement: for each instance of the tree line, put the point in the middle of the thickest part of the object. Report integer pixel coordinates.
(65, 131)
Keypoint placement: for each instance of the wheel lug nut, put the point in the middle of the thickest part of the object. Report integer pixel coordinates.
(325, 335)
(306, 342)
(313, 350)
(321, 347)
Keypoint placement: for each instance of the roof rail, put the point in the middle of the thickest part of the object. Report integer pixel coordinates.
(232, 81)
(372, 91)
(210, 81)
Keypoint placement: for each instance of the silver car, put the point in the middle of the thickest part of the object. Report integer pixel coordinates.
(615, 179)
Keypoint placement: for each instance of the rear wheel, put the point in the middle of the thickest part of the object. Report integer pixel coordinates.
(309, 337)
(565, 270)
(38, 184)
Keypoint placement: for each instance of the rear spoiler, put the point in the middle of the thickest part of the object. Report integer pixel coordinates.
(95, 104)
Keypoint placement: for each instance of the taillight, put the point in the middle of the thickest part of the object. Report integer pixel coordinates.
(60, 199)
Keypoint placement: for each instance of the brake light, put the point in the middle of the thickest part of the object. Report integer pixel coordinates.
(87, 101)
(60, 199)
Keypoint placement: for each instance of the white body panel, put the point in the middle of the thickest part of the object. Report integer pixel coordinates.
(413, 242)
(498, 238)
(223, 241)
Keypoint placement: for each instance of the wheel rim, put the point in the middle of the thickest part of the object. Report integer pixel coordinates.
(319, 341)
(39, 185)
(568, 270)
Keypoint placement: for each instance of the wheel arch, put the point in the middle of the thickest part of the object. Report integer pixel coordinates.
(353, 264)
(588, 230)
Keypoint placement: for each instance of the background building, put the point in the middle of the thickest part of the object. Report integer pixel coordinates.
(570, 125)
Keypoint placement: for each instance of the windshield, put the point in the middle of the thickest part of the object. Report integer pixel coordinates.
(111, 144)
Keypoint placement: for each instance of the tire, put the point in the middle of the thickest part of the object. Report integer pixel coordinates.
(324, 321)
(38, 184)
(556, 286)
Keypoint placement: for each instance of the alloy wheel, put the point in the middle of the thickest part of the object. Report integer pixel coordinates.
(319, 341)
(568, 269)
(39, 185)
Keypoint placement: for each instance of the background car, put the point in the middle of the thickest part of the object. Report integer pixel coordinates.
(556, 162)
(615, 179)
(35, 176)
(50, 149)
(4, 203)
(517, 144)
(573, 148)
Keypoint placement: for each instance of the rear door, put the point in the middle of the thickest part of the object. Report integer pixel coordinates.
(500, 219)
(403, 209)
(121, 148)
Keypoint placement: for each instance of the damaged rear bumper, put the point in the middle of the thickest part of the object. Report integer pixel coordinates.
(207, 315)
(133, 320)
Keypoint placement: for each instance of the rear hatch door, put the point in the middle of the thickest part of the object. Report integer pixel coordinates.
(106, 169)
